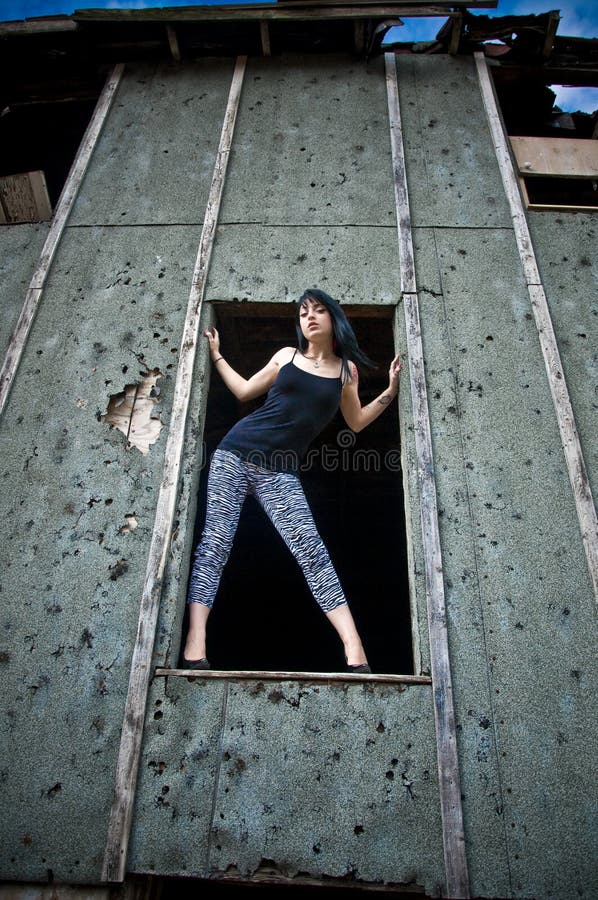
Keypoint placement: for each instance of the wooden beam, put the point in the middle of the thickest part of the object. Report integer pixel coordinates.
(584, 502)
(38, 26)
(63, 209)
(359, 35)
(302, 12)
(455, 861)
(556, 157)
(265, 37)
(456, 28)
(553, 24)
(246, 675)
(173, 43)
(119, 827)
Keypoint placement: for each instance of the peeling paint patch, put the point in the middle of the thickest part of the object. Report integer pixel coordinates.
(131, 411)
(130, 525)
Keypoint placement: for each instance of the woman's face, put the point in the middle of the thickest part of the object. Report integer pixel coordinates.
(315, 320)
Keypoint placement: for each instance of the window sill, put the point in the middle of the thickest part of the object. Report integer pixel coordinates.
(245, 675)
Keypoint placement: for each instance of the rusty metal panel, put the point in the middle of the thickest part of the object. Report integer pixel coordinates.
(328, 781)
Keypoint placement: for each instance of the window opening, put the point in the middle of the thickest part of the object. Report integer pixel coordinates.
(555, 149)
(264, 617)
(42, 124)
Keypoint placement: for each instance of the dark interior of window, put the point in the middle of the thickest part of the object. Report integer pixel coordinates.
(552, 191)
(47, 99)
(43, 136)
(264, 617)
(528, 107)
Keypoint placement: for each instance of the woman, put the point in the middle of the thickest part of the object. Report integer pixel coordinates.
(262, 453)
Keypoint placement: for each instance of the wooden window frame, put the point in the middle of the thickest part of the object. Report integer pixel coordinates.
(544, 157)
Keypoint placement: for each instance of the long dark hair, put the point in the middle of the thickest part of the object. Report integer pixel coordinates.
(344, 341)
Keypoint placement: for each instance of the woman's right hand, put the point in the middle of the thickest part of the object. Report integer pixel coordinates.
(214, 341)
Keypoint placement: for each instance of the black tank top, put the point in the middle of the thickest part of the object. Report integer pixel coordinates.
(297, 407)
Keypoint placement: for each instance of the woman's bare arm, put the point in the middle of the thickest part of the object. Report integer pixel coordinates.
(357, 416)
(245, 388)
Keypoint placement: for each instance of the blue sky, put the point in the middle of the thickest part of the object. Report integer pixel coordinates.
(579, 19)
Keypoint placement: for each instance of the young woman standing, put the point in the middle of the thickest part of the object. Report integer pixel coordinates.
(262, 454)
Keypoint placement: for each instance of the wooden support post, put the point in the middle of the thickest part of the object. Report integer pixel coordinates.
(265, 36)
(455, 861)
(553, 24)
(173, 43)
(134, 714)
(63, 209)
(456, 28)
(584, 502)
(359, 36)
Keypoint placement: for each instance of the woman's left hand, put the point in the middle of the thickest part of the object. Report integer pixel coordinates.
(394, 373)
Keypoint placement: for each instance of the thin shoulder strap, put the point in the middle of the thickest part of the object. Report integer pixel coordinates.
(293, 356)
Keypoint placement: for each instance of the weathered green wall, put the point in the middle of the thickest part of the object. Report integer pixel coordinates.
(71, 582)
(522, 618)
(566, 247)
(20, 247)
(321, 779)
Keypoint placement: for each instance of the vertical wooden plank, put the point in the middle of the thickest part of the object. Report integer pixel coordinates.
(359, 36)
(39, 191)
(584, 502)
(134, 715)
(553, 24)
(265, 36)
(173, 43)
(456, 29)
(64, 206)
(455, 860)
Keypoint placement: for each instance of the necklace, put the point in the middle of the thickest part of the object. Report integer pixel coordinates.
(315, 362)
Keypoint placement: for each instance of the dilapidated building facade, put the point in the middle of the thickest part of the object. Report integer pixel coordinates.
(164, 170)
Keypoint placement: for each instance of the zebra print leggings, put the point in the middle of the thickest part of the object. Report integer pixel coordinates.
(281, 496)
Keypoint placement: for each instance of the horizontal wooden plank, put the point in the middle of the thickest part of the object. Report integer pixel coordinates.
(38, 26)
(291, 676)
(401, 4)
(559, 207)
(301, 12)
(556, 157)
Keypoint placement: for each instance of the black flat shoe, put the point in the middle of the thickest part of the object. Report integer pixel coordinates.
(362, 668)
(196, 663)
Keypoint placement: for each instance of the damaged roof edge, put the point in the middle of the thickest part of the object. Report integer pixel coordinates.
(292, 9)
